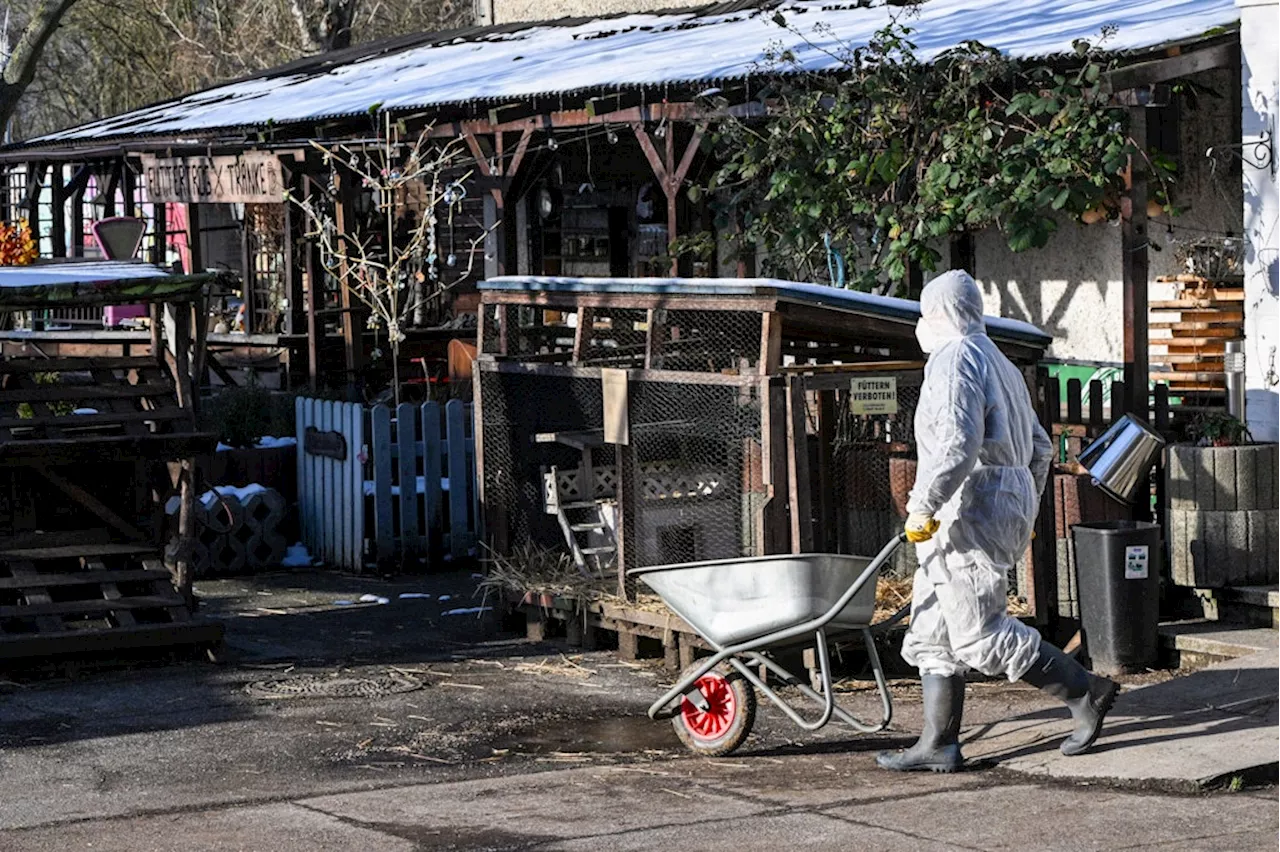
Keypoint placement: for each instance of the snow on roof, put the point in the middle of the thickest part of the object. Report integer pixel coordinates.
(111, 282)
(679, 47)
(89, 272)
(833, 297)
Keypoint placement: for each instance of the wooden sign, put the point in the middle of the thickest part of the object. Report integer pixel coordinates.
(252, 177)
(331, 445)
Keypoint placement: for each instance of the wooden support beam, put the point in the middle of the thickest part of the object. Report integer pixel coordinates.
(93, 504)
(1134, 266)
(352, 337)
(195, 241)
(159, 247)
(58, 218)
(670, 174)
(1225, 55)
(801, 495)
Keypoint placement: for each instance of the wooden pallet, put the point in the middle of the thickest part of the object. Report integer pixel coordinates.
(108, 599)
(585, 625)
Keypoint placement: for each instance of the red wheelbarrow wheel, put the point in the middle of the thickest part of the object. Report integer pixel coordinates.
(727, 719)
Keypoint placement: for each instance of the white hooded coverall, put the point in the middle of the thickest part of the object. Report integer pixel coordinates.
(983, 461)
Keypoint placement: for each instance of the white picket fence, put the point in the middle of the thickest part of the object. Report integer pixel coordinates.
(387, 487)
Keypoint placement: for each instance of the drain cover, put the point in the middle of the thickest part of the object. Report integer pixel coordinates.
(334, 686)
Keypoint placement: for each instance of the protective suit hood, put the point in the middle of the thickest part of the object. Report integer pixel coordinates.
(950, 309)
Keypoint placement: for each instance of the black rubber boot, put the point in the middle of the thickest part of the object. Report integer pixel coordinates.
(938, 749)
(1089, 696)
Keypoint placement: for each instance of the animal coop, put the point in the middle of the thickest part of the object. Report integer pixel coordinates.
(641, 422)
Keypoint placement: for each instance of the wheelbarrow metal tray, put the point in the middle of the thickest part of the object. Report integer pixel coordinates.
(735, 600)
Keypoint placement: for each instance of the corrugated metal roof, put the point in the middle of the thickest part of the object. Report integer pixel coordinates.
(869, 304)
(720, 42)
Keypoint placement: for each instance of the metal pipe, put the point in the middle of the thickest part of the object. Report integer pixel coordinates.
(1233, 365)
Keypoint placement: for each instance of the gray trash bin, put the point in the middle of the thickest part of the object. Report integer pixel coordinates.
(1118, 566)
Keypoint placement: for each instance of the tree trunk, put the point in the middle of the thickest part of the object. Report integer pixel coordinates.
(20, 70)
(325, 25)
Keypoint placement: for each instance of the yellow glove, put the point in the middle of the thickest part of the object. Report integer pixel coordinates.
(920, 527)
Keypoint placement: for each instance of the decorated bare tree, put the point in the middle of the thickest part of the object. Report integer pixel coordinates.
(390, 261)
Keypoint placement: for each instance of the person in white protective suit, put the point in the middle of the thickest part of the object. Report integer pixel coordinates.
(983, 462)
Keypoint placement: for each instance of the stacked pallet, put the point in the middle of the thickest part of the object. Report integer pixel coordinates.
(99, 598)
(1193, 330)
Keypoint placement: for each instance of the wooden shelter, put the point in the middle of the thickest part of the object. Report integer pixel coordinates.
(91, 451)
(584, 134)
(640, 422)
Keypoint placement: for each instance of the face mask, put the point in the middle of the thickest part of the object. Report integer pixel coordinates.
(927, 335)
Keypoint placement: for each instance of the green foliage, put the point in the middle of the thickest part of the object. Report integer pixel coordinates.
(893, 154)
(58, 408)
(242, 416)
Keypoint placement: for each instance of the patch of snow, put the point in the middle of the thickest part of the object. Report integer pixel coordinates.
(344, 603)
(239, 494)
(409, 596)
(371, 487)
(373, 599)
(85, 411)
(445, 598)
(267, 443)
(474, 610)
(297, 556)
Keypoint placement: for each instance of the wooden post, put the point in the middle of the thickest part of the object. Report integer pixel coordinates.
(1042, 573)
(160, 225)
(773, 430)
(182, 574)
(248, 276)
(1133, 246)
(295, 315)
(77, 222)
(352, 337)
(35, 177)
(314, 264)
(801, 496)
(129, 183)
(58, 226)
(194, 239)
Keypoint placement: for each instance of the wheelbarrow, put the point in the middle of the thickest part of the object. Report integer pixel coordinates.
(744, 608)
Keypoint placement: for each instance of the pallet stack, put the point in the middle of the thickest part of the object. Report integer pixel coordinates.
(1189, 339)
(104, 597)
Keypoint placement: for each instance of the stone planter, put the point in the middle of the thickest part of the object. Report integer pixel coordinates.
(1222, 515)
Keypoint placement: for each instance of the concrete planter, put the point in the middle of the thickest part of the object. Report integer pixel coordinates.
(1222, 515)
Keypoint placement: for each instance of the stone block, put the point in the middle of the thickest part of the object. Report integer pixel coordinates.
(1258, 546)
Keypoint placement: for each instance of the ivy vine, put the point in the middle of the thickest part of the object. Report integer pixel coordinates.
(890, 155)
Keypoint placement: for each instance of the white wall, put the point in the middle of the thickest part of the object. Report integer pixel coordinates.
(1260, 92)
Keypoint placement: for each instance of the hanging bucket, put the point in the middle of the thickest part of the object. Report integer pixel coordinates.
(1120, 459)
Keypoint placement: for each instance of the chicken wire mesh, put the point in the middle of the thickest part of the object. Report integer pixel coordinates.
(691, 481)
(698, 341)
